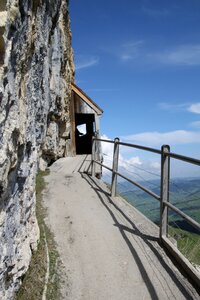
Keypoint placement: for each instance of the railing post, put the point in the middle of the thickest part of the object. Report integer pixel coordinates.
(164, 191)
(93, 156)
(115, 167)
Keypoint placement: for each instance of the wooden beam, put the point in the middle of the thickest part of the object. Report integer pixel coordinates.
(87, 99)
(73, 126)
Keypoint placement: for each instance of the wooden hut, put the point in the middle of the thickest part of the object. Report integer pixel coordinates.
(85, 120)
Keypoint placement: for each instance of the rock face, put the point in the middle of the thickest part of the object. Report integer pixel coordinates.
(3, 17)
(34, 122)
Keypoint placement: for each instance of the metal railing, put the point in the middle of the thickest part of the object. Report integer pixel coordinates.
(163, 198)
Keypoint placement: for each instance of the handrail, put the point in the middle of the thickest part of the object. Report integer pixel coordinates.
(162, 152)
(131, 145)
(140, 186)
(117, 142)
(154, 150)
(165, 155)
(104, 166)
(103, 140)
(141, 147)
(186, 217)
(185, 158)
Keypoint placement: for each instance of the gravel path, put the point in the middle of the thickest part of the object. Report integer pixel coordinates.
(108, 249)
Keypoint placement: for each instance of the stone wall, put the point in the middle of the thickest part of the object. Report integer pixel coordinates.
(34, 122)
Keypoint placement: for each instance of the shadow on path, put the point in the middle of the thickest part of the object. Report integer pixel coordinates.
(85, 165)
(105, 199)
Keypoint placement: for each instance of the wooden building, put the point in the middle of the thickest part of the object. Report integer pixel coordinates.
(85, 120)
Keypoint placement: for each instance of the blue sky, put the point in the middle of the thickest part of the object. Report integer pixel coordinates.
(140, 61)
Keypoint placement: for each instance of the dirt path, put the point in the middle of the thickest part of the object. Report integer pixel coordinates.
(109, 250)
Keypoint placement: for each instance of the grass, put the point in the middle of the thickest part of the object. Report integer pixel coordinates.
(34, 280)
(188, 244)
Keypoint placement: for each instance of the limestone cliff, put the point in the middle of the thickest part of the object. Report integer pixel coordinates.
(34, 122)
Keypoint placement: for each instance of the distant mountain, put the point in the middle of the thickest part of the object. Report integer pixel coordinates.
(184, 193)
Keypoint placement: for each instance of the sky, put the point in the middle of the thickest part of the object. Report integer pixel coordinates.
(139, 60)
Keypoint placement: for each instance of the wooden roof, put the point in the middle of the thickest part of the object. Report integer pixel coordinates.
(86, 99)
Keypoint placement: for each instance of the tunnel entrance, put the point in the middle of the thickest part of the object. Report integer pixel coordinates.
(84, 131)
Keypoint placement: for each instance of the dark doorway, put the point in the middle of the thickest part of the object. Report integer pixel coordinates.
(84, 131)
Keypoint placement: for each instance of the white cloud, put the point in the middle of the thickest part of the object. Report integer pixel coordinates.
(82, 128)
(126, 57)
(82, 61)
(127, 51)
(155, 12)
(158, 138)
(195, 124)
(195, 108)
(145, 168)
(131, 50)
(184, 55)
(132, 45)
(155, 165)
(134, 167)
(144, 52)
(107, 149)
(172, 107)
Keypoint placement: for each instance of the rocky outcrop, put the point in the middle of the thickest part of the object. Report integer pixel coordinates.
(3, 17)
(34, 122)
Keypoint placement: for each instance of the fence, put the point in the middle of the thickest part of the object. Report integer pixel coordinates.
(163, 198)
